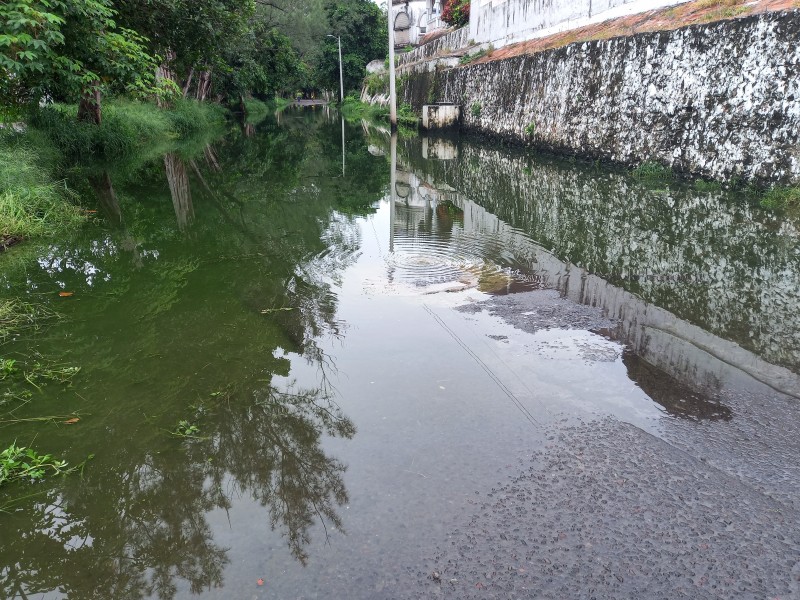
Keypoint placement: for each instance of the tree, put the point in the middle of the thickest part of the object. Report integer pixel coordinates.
(363, 29)
(70, 50)
(193, 36)
(262, 63)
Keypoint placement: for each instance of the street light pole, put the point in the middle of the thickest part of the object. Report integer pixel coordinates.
(392, 89)
(341, 75)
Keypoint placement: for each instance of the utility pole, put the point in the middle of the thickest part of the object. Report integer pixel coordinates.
(392, 89)
(341, 75)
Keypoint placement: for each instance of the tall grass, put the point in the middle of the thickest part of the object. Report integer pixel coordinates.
(126, 128)
(31, 203)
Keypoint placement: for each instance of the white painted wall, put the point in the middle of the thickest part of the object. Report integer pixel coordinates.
(502, 22)
(423, 17)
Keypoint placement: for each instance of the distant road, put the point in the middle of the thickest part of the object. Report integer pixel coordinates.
(311, 102)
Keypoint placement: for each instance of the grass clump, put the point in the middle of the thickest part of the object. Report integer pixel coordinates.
(475, 109)
(781, 197)
(32, 204)
(701, 185)
(653, 171)
(468, 58)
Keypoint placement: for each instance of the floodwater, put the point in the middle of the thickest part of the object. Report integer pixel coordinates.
(485, 374)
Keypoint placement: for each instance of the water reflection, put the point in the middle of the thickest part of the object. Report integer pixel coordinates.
(512, 206)
(709, 258)
(178, 180)
(203, 328)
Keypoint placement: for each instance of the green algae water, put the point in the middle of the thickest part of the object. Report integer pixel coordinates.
(298, 380)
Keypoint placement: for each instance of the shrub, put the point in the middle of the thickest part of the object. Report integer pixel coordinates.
(456, 12)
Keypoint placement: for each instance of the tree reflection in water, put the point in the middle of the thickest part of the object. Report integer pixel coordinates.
(134, 533)
(167, 320)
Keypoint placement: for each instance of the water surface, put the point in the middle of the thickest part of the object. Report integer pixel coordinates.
(363, 362)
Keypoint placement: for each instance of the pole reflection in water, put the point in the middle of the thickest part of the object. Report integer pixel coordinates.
(342, 146)
(392, 184)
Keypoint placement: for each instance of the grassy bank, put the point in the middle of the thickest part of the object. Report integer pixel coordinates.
(35, 202)
(352, 108)
(32, 202)
(127, 126)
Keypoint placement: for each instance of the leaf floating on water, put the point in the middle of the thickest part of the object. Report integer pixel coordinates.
(65, 294)
(72, 421)
(266, 311)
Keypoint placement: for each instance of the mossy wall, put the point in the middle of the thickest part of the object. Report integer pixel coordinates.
(720, 100)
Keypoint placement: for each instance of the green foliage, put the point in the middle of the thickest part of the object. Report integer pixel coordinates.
(67, 49)
(18, 463)
(781, 197)
(128, 126)
(456, 12)
(364, 33)
(377, 83)
(652, 171)
(189, 34)
(530, 128)
(262, 63)
(468, 58)
(354, 109)
(185, 429)
(475, 109)
(32, 204)
(701, 185)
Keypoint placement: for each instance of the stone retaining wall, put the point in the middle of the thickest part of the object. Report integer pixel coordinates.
(720, 100)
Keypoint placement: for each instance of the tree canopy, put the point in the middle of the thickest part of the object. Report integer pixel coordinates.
(363, 28)
(78, 50)
(65, 49)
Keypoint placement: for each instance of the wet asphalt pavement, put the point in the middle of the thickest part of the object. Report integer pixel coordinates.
(701, 509)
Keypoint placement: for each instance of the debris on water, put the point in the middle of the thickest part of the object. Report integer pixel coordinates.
(260, 581)
(66, 294)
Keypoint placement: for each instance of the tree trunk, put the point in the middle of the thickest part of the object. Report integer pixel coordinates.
(188, 82)
(163, 72)
(203, 85)
(89, 108)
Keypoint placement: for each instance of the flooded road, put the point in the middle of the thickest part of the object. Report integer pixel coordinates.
(485, 375)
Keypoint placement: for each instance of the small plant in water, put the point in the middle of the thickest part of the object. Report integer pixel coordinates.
(530, 128)
(185, 429)
(475, 109)
(7, 367)
(18, 463)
